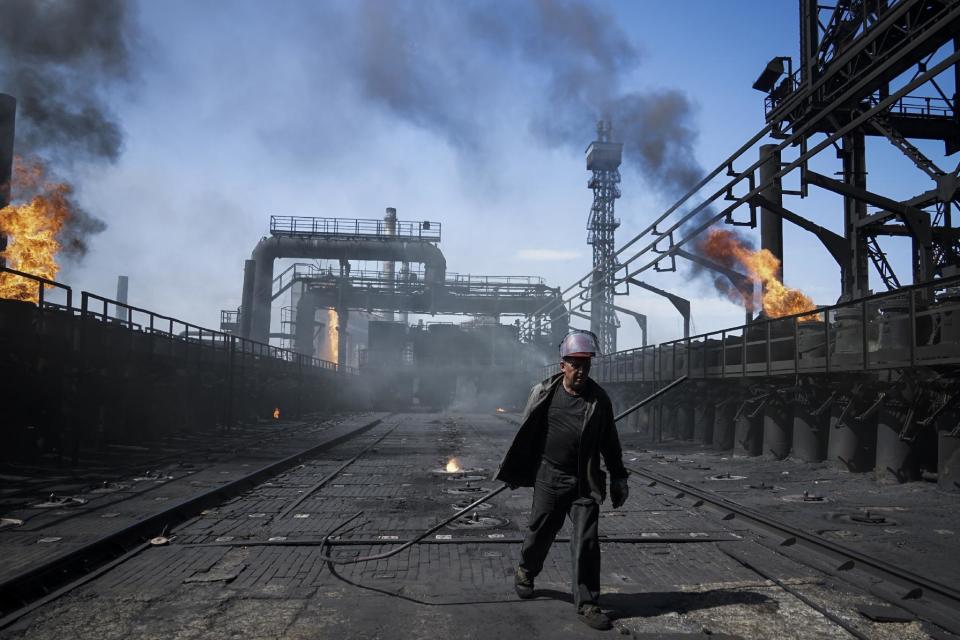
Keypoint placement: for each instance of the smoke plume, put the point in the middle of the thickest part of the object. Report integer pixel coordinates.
(59, 58)
(434, 64)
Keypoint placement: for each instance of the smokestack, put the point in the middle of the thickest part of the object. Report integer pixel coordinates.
(390, 224)
(8, 116)
(123, 283)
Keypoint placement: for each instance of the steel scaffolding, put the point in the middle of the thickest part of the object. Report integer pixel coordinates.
(603, 159)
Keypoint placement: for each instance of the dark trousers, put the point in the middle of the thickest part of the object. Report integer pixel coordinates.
(555, 496)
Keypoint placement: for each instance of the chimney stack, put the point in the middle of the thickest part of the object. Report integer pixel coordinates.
(123, 283)
(390, 225)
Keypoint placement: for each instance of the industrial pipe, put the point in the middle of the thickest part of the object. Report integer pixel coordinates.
(381, 249)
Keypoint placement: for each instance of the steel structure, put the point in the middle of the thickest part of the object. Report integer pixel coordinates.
(341, 239)
(603, 159)
(866, 69)
(410, 292)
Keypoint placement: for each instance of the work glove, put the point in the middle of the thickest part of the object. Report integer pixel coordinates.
(619, 492)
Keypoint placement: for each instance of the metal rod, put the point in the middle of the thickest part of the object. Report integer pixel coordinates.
(406, 545)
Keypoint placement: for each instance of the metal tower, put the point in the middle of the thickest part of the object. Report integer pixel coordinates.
(603, 159)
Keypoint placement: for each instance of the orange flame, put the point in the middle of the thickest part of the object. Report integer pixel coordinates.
(453, 466)
(333, 336)
(276, 413)
(32, 227)
(761, 266)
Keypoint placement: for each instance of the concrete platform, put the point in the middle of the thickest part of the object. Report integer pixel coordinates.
(251, 567)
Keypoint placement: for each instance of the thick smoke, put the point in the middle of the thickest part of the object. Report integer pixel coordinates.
(420, 61)
(428, 63)
(58, 58)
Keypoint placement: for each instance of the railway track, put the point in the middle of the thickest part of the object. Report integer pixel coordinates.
(301, 489)
(923, 596)
(44, 582)
(189, 462)
(119, 462)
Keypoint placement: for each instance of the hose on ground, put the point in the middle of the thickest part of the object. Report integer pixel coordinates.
(473, 505)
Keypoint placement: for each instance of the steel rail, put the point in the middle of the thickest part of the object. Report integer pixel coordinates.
(822, 610)
(122, 473)
(124, 495)
(333, 474)
(881, 568)
(40, 584)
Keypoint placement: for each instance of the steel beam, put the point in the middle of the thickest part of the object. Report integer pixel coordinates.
(680, 304)
(916, 220)
(639, 317)
(741, 283)
(832, 242)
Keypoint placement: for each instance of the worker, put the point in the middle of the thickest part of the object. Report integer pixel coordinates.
(567, 425)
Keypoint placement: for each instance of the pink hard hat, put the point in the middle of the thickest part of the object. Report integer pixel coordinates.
(579, 344)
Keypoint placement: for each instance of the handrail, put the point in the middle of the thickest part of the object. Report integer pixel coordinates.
(192, 333)
(702, 342)
(426, 230)
(42, 283)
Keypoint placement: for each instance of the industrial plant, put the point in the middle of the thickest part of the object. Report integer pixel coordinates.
(330, 460)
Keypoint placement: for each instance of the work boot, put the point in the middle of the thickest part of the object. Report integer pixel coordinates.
(523, 583)
(593, 617)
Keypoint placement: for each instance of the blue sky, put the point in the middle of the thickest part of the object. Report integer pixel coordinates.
(474, 114)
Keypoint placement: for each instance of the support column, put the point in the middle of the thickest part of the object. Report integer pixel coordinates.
(809, 433)
(855, 274)
(777, 429)
(262, 299)
(723, 425)
(305, 323)
(703, 421)
(748, 431)
(246, 299)
(684, 420)
(948, 452)
(851, 443)
(343, 314)
(896, 459)
(771, 225)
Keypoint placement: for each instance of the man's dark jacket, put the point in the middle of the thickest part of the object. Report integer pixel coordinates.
(598, 436)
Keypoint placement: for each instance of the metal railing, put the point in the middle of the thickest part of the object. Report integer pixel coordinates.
(412, 281)
(149, 323)
(922, 106)
(42, 285)
(185, 333)
(424, 230)
(911, 326)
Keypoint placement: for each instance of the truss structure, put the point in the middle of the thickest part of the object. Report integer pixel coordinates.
(866, 68)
